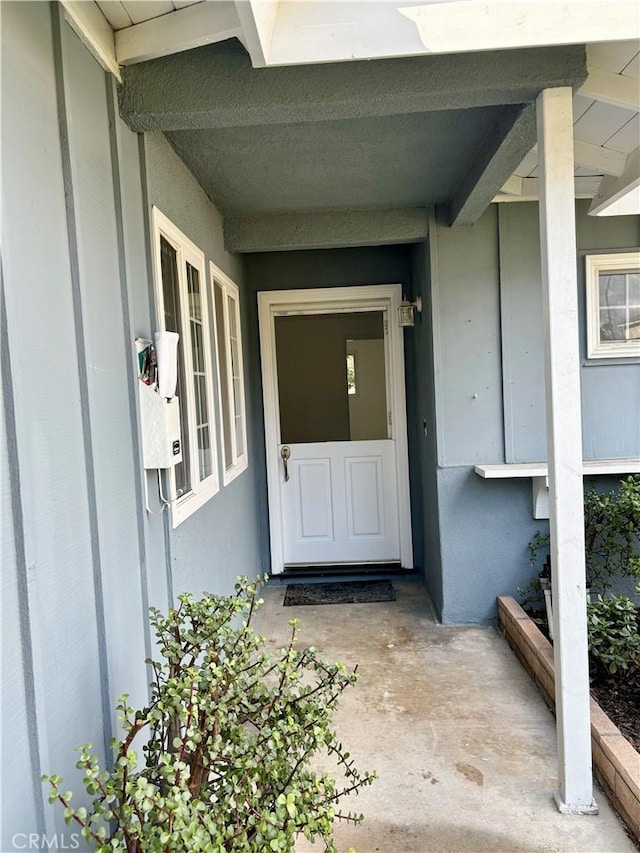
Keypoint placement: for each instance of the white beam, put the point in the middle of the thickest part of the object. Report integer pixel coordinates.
(610, 88)
(257, 18)
(619, 196)
(320, 31)
(564, 450)
(605, 160)
(513, 186)
(529, 190)
(461, 25)
(193, 26)
(94, 31)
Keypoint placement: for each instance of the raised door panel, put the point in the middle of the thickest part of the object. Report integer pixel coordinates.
(314, 511)
(365, 509)
(340, 503)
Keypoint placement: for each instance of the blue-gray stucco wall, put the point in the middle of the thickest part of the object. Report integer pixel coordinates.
(422, 428)
(75, 569)
(221, 540)
(306, 269)
(489, 385)
(81, 558)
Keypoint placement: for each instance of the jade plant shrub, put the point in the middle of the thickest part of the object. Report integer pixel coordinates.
(612, 539)
(228, 741)
(614, 641)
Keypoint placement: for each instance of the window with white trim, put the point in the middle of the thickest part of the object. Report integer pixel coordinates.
(181, 294)
(226, 308)
(613, 305)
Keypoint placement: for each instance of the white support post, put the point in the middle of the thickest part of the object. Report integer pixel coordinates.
(564, 446)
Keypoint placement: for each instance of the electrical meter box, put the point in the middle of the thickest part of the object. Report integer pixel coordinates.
(160, 425)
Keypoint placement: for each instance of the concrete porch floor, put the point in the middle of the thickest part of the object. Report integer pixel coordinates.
(463, 743)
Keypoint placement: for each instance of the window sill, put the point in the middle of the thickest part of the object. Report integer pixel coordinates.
(231, 473)
(184, 507)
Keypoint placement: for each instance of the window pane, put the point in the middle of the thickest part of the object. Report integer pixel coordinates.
(233, 331)
(612, 290)
(633, 329)
(634, 288)
(193, 289)
(239, 426)
(235, 372)
(236, 376)
(613, 324)
(239, 436)
(197, 346)
(199, 372)
(224, 376)
(202, 410)
(205, 461)
(172, 323)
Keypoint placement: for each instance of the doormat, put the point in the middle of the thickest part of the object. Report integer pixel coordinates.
(356, 592)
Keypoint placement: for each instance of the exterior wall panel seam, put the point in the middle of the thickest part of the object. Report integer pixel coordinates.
(505, 334)
(127, 328)
(73, 247)
(437, 338)
(24, 614)
(146, 215)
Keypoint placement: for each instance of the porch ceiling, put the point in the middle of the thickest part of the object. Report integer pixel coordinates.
(379, 162)
(392, 134)
(289, 32)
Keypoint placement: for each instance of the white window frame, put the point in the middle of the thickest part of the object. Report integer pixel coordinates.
(182, 506)
(594, 265)
(229, 288)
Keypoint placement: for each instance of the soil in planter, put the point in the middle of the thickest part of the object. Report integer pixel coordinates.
(618, 696)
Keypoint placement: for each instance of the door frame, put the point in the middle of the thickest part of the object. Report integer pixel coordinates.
(380, 297)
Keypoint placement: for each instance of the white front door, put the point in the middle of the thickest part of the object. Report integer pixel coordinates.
(340, 504)
(333, 378)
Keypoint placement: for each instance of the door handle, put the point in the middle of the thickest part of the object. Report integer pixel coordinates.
(285, 452)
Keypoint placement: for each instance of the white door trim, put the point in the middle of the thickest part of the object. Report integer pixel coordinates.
(325, 300)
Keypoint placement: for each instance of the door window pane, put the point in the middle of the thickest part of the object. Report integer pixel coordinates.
(351, 373)
(315, 396)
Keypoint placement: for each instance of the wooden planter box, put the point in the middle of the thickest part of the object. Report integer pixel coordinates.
(616, 762)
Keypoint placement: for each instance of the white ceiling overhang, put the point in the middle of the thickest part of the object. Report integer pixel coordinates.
(606, 135)
(293, 32)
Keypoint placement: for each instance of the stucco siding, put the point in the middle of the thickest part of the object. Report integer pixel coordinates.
(606, 387)
(107, 356)
(484, 530)
(468, 348)
(487, 282)
(221, 540)
(20, 809)
(82, 559)
(422, 430)
(522, 333)
(137, 300)
(56, 625)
